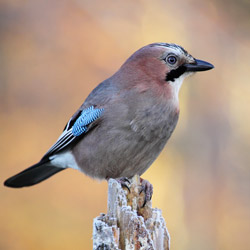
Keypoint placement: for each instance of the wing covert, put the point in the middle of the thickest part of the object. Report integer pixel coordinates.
(74, 129)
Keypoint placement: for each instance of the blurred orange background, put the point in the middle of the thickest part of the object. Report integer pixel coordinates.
(53, 53)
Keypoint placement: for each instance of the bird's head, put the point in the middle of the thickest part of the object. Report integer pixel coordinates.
(163, 64)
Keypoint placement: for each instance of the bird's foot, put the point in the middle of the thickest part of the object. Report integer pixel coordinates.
(125, 183)
(137, 187)
(147, 189)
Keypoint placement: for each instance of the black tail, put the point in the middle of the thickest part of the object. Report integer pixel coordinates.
(32, 175)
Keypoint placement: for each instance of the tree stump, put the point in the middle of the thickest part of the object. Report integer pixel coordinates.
(127, 225)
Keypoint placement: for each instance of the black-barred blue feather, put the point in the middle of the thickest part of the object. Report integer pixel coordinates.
(87, 116)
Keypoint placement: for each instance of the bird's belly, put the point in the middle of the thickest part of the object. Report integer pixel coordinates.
(119, 152)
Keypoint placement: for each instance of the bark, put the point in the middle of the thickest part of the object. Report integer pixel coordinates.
(127, 225)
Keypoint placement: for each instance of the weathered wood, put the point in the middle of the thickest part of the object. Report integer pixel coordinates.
(128, 226)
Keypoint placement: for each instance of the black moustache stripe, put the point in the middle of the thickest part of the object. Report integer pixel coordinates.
(175, 73)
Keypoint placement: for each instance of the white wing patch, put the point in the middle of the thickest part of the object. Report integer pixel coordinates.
(64, 160)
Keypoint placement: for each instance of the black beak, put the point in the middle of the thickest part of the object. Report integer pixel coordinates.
(198, 65)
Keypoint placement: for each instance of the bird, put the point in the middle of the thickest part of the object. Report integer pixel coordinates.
(124, 123)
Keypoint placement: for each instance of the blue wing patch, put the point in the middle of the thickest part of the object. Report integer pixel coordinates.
(87, 116)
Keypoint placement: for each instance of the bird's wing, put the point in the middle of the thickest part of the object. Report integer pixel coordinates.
(78, 125)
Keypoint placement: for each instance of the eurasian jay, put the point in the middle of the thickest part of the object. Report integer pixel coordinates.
(125, 122)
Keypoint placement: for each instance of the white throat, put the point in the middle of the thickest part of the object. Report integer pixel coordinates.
(176, 84)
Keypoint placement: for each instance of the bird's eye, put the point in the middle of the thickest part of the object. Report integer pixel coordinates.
(172, 60)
